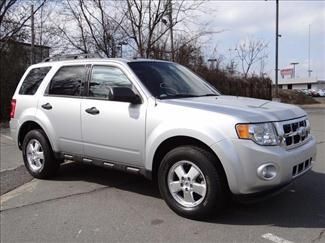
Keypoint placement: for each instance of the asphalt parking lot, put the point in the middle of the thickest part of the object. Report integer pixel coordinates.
(85, 203)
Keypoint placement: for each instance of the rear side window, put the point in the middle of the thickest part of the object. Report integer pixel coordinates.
(33, 80)
(68, 81)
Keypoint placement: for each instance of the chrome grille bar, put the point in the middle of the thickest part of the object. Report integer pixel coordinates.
(294, 132)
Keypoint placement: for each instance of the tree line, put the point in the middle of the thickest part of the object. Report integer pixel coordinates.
(160, 29)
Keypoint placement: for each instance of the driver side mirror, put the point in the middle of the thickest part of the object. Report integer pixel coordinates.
(124, 94)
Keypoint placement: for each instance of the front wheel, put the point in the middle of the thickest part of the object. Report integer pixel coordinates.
(191, 182)
(38, 156)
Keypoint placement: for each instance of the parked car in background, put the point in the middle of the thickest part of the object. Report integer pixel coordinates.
(312, 92)
(321, 92)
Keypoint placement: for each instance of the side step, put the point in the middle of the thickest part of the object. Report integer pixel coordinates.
(107, 164)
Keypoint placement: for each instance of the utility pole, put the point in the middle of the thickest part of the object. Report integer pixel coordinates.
(171, 26)
(41, 34)
(32, 49)
(294, 68)
(276, 48)
(309, 70)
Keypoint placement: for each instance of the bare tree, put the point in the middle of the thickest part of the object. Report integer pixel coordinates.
(79, 39)
(144, 19)
(98, 29)
(249, 52)
(14, 15)
(5, 5)
(144, 25)
(149, 22)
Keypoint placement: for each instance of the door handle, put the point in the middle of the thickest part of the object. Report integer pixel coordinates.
(92, 111)
(47, 106)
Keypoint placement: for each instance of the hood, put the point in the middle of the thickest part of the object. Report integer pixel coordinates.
(245, 109)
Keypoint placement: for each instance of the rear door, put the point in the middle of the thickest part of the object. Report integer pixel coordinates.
(117, 131)
(60, 107)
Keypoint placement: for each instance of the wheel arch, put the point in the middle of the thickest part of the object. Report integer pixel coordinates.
(26, 127)
(173, 142)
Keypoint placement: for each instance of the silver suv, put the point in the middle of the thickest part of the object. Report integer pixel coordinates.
(160, 120)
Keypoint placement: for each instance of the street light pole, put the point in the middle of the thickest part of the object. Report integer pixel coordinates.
(170, 16)
(309, 70)
(276, 49)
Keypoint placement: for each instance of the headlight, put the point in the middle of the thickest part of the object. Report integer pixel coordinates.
(261, 133)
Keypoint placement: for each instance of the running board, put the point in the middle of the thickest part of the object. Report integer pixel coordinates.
(108, 164)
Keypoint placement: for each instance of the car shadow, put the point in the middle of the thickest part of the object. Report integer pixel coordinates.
(74, 171)
(301, 205)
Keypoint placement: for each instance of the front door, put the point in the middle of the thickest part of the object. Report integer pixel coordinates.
(112, 130)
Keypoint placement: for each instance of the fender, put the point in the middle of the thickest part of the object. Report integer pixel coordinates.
(164, 131)
(46, 125)
(230, 161)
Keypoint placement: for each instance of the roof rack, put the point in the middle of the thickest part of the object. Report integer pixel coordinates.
(71, 57)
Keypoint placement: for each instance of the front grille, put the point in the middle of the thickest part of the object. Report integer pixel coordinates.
(296, 132)
(300, 168)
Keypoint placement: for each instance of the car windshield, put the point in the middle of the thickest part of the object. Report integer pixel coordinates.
(167, 80)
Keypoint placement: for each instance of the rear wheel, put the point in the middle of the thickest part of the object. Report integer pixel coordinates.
(191, 183)
(38, 156)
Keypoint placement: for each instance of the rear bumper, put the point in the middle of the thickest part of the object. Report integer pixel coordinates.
(242, 158)
(14, 128)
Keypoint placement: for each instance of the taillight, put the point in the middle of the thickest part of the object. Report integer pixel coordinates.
(13, 108)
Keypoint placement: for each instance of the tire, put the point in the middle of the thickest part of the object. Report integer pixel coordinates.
(38, 155)
(207, 195)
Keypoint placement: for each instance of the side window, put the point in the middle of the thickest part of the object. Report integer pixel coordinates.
(68, 81)
(103, 78)
(33, 80)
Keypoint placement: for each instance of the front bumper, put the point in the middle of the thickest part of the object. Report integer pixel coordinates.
(242, 158)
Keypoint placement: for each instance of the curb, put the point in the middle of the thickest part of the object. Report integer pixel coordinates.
(13, 178)
(313, 106)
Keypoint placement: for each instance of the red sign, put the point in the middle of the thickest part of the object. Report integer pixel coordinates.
(286, 72)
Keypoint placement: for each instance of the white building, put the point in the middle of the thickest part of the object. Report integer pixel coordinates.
(301, 83)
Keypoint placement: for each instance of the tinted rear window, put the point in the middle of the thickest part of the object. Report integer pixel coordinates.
(67, 81)
(33, 80)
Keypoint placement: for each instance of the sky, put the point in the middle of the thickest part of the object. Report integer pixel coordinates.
(240, 20)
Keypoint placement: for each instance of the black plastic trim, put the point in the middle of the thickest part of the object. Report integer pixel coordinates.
(260, 196)
(101, 163)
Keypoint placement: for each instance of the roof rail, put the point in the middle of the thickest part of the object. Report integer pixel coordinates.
(71, 57)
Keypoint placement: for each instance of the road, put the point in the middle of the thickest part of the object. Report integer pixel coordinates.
(86, 203)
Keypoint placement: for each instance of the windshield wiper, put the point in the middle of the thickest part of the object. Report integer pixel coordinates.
(208, 95)
(175, 96)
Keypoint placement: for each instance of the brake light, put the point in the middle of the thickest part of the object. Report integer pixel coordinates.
(13, 108)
